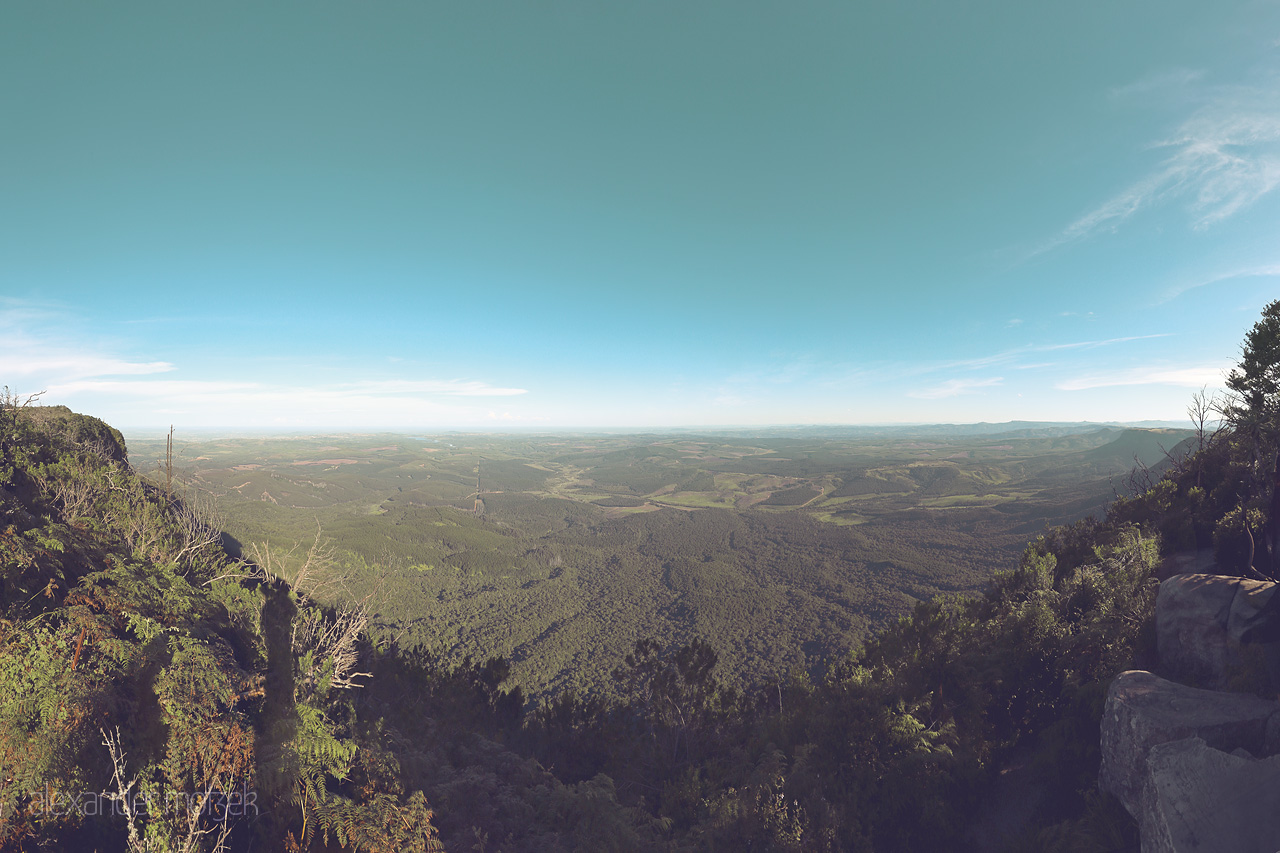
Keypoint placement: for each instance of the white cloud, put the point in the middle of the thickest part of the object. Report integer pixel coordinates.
(205, 403)
(378, 402)
(1187, 377)
(78, 376)
(1223, 158)
(40, 358)
(954, 388)
(70, 364)
(1228, 161)
(36, 353)
(172, 388)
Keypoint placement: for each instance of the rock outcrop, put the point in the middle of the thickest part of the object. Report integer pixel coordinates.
(1196, 797)
(1198, 769)
(1145, 710)
(1200, 621)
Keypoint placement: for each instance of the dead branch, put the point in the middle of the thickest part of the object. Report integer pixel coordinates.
(337, 637)
(1139, 481)
(334, 635)
(193, 808)
(316, 575)
(123, 793)
(199, 524)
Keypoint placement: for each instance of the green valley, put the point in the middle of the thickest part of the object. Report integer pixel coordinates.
(785, 546)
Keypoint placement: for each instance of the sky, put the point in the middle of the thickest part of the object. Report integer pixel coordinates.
(510, 215)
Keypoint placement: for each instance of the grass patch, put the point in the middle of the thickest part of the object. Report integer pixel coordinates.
(619, 501)
(797, 496)
(615, 511)
(965, 500)
(843, 519)
(699, 499)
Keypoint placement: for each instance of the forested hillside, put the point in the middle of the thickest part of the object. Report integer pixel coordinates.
(559, 552)
(159, 695)
(155, 695)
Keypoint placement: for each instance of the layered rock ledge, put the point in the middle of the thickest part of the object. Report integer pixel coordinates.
(1200, 623)
(1198, 769)
(1144, 710)
(1201, 798)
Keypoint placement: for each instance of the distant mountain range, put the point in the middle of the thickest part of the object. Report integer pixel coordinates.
(1012, 429)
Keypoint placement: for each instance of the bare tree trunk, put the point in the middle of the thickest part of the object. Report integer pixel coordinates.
(1274, 531)
(1202, 406)
(168, 466)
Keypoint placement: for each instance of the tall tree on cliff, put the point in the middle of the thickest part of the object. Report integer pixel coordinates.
(1254, 415)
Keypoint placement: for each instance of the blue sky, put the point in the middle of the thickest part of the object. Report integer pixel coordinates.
(569, 214)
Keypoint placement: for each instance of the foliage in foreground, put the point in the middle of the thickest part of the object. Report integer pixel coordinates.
(154, 695)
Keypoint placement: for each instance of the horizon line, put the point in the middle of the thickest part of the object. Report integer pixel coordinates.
(633, 430)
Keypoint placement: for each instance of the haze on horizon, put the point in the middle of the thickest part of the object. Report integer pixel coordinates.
(425, 216)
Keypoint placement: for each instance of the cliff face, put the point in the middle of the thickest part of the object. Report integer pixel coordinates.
(1198, 768)
(60, 424)
(112, 638)
(137, 697)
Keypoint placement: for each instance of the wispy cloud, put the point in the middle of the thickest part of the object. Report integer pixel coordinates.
(977, 363)
(1187, 377)
(1221, 160)
(451, 388)
(29, 354)
(37, 354)
(1264, 271)
(954, 388)
(338, 394)
(508, 416)
(1015, 359)
(1095, 344)
(263, 404)
(140, 388)
(69, 364)
(728, 398)
(1174, 79)
(1228, 161)
(1010, 356)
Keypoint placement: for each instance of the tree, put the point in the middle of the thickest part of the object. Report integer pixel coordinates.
(1200, 409)
(1254, 415)
(11, 404)
(1256, 380)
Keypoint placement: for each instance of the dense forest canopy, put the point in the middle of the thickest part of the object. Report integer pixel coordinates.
(559, 552)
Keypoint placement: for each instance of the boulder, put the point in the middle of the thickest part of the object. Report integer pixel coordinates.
(1246, 607)
(1144, 710)
(1197, 798)
(1199, 623)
